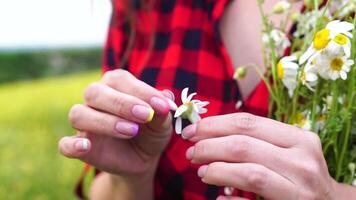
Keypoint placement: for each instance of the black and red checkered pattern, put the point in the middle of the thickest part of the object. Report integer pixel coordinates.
(187, 52)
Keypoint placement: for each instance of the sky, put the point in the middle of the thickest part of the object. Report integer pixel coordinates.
(53, 23)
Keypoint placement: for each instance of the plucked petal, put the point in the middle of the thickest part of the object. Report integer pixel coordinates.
(173, 106)
(178, 125)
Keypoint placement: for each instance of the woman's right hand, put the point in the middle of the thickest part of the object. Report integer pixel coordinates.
(116, 131)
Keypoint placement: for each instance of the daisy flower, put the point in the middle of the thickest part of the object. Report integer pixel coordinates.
(302, 121)
(287, 71)
(333, 66)
(308, 20)
(342, 8)
(190, 109)
(279, 38)
(308, 75)
(336, 34)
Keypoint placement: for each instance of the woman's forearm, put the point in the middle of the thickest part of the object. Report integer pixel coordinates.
(108, 186)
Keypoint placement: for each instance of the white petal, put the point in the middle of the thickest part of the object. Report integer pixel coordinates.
(202, 110)
(347, 50)
(310, 51)
(290, 93)
(350, 62)
(334, 49)
(195, 107)
(310, 88)
(189, 98)
(173, 106)
(202, 103)
(343, 75)
(332, 24)
(348, 34)
(180, 110)
(345, 26)
(334, 76)
(194, 117)
(184, 95)
(178, 125)
(289, 59)
(292, 65)
(311, 77)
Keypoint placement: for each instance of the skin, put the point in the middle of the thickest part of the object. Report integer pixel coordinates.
(254, 153)
(129, 160)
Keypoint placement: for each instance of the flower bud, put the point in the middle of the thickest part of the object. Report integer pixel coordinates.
(281, 7)
(310, 3)
(295, 16)
(240, 73)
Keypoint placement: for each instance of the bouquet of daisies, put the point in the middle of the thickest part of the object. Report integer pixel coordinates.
(311, 75)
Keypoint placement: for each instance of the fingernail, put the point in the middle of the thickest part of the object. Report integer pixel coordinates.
(222, 198)
(159, 105)
(81, 145)
(202, 171)
(190, 153)
(127, 128)
(189, 131)
(143, 113)
(169, 94)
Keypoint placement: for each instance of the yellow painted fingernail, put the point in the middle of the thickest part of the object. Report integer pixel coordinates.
(143, 113)
(150, 116)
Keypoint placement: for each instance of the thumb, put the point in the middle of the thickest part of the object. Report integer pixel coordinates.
(155, 135)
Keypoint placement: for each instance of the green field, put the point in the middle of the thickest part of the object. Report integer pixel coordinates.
(33, 116)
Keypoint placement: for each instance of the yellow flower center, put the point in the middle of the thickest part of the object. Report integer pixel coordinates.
(340, 39)
(189, 110)
(321, 39)
(299, 120)
(322, 118)
(280, 70)
(336, 64)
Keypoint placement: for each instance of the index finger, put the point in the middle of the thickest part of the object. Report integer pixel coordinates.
(269, 130)
(125, 82)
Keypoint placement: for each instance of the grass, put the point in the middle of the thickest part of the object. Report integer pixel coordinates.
(33, 116)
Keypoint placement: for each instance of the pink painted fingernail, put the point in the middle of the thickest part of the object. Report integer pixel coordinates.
(159, 105)
(143, 113)
(190, 153)
(127, 128)
(81, 145)
(169, 94)
(189, 131)
(202, 171)
(222, 198)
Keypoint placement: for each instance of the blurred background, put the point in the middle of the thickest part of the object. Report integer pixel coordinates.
(49, 51)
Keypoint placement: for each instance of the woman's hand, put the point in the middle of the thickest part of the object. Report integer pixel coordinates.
(116, 131)
(270, 158)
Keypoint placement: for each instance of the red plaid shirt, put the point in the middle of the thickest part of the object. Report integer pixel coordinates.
(187, 52)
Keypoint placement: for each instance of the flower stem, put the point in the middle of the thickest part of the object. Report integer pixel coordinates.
(350, 99)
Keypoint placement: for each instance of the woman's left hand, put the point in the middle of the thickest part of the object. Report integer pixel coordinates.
(260, 155)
